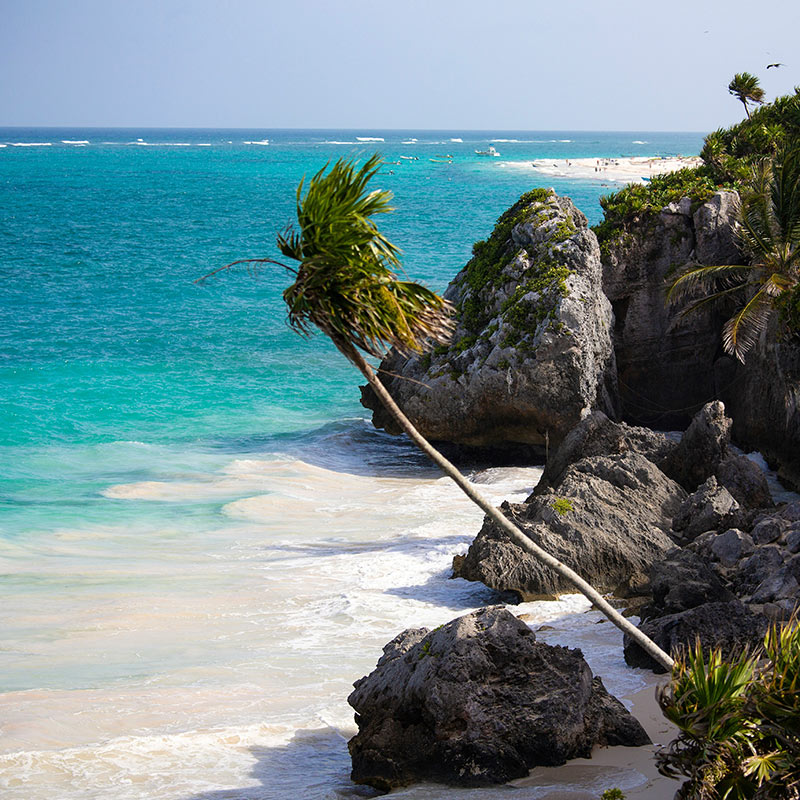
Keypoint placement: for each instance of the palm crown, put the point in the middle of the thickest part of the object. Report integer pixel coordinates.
(346, 284)
(745, 87)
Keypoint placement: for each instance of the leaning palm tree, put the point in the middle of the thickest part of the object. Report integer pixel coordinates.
(769, 233)
(346, 286)
(745, 87)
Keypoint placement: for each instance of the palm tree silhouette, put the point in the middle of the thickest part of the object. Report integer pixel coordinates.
(745, 87)
(345, 285)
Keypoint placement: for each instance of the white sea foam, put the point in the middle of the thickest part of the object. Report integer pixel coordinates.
(203, 144)
(262, 142)
(410, 141)
(505, 140)
(335, 142)
(2, 145)
(564, 140)
(637, 141)
(74, 141)
(31, 144)
(370, 138)
(456, 140)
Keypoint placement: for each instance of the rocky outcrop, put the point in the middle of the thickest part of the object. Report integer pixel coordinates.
(479, 701)
(597, 435)
(666, 369)
(729, 626)
(532, 351)
(607, 520)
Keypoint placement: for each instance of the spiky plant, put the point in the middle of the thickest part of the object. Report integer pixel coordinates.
(744, 86)
(769, 233)
(346, 286)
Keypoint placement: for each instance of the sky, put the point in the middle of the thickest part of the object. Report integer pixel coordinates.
(376, 64)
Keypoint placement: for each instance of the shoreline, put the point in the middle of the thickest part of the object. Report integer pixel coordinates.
(633, 769)
(636, 169)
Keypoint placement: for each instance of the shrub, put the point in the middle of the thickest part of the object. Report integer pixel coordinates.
(738, 721)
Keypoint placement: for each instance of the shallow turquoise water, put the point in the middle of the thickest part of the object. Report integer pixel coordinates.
(202, 540)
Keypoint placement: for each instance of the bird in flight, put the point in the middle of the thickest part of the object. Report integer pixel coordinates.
(775, 65)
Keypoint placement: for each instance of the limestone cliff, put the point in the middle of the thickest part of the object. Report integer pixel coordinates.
(532, 351)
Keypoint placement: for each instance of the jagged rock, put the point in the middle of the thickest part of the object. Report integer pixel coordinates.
(532, 351)
(745, 481)
(597, 435)
(729, 626)
(666, 366)
(767, 531)
(479, 701)
(778, 586)
(715, 239)
(790, 512)
(793, 540)
(607, 521)
(729, 547)
(680, 582)
(763, 564)
(701, 448)
(710, 508)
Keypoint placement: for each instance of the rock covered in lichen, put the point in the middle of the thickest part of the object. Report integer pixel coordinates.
(532, 350)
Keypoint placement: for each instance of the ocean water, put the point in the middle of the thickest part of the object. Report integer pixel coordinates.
(203, 542)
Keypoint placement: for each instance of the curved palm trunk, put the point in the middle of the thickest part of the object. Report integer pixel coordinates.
(516, 535)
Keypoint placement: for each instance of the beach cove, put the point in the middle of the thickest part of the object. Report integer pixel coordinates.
(204, 541)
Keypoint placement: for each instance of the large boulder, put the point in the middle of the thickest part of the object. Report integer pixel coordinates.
(608, 520)
(666, 368)
(531, 354)
(727, 625)
(479, 701)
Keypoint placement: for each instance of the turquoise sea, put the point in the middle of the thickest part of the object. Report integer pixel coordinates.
(202, 540)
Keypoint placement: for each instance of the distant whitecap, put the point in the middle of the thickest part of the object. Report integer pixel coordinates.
(262, 141)
(456, 140)
(370, 139)
(31, 144)
(74, 141)
(637, 141)
(335, 142)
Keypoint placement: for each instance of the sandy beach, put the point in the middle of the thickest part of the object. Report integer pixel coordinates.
(615, 170)
(632, 769)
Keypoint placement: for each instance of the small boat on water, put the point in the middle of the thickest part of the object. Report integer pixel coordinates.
(490, 152)
(441, 161)
(410, 158)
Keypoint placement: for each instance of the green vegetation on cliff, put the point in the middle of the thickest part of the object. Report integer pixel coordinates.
(728, 156)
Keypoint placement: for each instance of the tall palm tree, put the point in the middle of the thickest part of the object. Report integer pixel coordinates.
(346, 286)
(745, 87)
(769, 233)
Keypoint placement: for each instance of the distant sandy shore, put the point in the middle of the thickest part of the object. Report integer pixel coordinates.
(615, 170)
(633, 769)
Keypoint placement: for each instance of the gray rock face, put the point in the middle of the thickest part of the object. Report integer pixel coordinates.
(732, 545)
(597, 435)
(683, 581)
(532, 351)
(664, 367)
(745, 481)
(726, 625)
(702, 447)
(710, 508)
(607, 521)
(479, 701)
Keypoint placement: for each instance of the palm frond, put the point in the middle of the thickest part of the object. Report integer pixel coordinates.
(742, 330)
(697, 277)
(346, 284)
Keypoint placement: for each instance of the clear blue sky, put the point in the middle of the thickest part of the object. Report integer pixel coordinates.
(498, 64)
